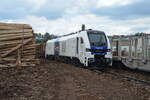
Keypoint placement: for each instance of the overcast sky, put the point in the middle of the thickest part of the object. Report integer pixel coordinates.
(65, 16)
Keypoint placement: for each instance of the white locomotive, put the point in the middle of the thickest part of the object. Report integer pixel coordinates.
(87, 47)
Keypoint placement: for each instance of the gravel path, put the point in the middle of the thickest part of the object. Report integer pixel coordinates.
(57, 81)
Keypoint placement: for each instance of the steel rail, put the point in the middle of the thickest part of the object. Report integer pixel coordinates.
(124, 76)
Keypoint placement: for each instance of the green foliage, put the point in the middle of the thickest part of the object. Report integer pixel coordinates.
(139, 34)
(44, 38)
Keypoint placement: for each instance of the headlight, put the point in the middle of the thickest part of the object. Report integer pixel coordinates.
(88, 50)
(109, 50)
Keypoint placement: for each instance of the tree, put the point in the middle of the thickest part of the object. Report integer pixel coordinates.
(139, 34)
(47, 37)
(44, 38)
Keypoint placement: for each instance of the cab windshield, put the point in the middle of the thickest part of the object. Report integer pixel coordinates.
(97, 38)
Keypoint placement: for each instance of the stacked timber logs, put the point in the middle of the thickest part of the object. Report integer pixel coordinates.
(17, 45)
(40, 50)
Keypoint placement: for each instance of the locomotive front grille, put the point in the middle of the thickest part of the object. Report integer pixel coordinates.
(97, 51)
(100, 59)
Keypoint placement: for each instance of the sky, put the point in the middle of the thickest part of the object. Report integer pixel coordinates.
(114, 17)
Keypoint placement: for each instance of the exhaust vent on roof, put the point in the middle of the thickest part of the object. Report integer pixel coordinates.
(83, 27)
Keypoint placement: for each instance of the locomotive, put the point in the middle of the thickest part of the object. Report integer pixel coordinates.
(86, 47)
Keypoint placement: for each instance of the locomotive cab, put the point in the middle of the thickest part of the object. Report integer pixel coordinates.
(97, 49)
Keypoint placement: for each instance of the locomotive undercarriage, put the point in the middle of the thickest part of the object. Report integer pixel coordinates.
(99, 61)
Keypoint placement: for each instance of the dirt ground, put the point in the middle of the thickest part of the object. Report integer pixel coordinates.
(58, 81)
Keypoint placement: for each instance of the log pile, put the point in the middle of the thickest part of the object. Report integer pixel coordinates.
(40, 50)
(17, 45)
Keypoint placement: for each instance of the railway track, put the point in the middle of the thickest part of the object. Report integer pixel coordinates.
(129, 78)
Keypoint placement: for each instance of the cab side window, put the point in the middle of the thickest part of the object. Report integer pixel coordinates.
(82, 41)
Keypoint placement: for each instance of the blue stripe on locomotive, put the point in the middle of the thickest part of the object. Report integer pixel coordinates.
(103, 48)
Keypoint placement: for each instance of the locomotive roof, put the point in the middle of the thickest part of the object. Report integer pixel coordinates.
(53, 40)
(71, 35)
(90, 30)
(67, 37)
(63, 38)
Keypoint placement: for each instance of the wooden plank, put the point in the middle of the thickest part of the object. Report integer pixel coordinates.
(28, 54)
(8, 47)
(2, 23)
(15, 25)
(16, 37)
(2, 48)
(27, 65)
(28, 49)
(8, 59)
(30, 46)
(29, 57)
(15, 31)
(13, 59)
(10, 43)
(7, 28)
(14, 54)
(17, 47)
(18, 62)
(6, 66)
(14, 65)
